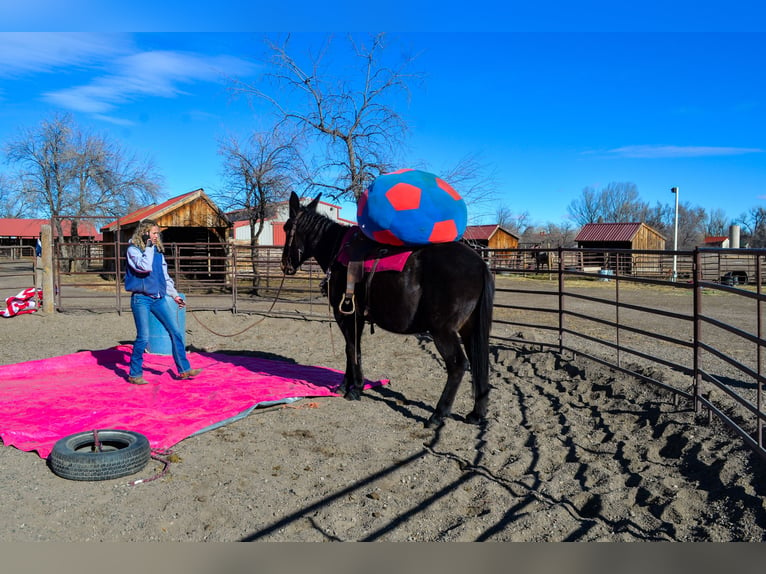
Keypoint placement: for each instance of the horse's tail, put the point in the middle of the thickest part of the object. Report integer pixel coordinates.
(479, 344)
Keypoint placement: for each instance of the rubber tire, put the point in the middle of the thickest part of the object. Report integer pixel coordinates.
(123, 453)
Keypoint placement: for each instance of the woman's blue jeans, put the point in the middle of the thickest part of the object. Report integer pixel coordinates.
(142, 305)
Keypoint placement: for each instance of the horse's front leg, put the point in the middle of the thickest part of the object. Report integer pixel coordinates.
(353, 380)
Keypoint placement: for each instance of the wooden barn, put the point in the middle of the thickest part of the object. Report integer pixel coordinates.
(633, 236)
(490, 237)
(194, 231)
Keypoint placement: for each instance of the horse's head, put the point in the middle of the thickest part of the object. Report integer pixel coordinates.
(295, 252)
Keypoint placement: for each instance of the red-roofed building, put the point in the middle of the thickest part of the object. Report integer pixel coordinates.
(26, 231)
(192, 220)
(635, 236)
(717, 241)
(620, 236)
(490, 236)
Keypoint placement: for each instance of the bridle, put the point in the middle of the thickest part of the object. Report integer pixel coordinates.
(289, 244)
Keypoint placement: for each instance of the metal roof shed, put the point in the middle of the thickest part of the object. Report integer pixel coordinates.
(634, 236)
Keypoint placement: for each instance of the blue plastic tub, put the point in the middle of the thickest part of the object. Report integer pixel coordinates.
(607, 272)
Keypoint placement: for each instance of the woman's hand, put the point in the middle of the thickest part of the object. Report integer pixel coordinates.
(179, 301)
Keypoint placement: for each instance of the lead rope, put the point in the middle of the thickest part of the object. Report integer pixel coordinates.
(273, 304)
(161, 455)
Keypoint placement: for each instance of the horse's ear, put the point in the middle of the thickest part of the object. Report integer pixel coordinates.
(295, 204)
(314, 202)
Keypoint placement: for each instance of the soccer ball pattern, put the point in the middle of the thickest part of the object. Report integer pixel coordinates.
(411, 207)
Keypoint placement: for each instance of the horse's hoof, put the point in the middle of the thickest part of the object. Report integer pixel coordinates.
(474, 419)
(434, 422)
(353, 396)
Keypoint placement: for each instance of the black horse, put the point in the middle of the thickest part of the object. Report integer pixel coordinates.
(444, 289)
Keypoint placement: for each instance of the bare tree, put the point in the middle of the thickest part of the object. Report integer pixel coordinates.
(351, 118)
(691, 226)
(618, 202)
(14, 202)
(474, 181)
(753, 223)
(661, 218)
(43, 156)
(622, 203)
(587, 208)
(258, 174)
(72, 174)
(513, 222)
(716, 223)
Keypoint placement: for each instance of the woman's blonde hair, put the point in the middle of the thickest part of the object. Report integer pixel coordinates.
(143, 228)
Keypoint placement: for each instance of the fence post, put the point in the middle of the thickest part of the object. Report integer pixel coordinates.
(234, 268)
(46, 238)
(696, 267)
(561, 299)
(118, 267)
(617, 307)
(759, 352)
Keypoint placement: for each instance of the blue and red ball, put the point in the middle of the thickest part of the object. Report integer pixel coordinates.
(411, 207)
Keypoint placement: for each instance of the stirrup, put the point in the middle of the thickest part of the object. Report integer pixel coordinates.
(348, 304)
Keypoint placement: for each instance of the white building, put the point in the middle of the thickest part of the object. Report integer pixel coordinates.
(273, 229)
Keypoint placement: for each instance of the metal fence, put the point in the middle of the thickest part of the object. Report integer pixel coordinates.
(676, 320)
(699, 337)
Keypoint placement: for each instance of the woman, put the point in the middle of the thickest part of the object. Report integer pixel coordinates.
(146, 276)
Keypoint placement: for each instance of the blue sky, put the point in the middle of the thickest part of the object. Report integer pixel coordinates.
(551, 108)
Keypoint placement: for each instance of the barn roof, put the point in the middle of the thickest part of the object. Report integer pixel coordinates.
(716, 238)
(613, 232)
(483, 232)
(31, 228)
(157, 211)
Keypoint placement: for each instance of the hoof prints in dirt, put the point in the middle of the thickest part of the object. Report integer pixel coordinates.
(612, 458)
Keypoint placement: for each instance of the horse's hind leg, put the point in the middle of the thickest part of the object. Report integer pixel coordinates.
(479, 378)
(448, 345)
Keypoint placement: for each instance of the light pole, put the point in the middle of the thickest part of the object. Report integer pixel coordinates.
(674, 191)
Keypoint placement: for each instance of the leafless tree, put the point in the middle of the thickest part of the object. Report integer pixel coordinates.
(351, 119)
(753, 223)
(475, 182)
(661, 218)
(513, 222)
(586, 209)
(716, 223)
(691, 226)
(75, 175)
(618, 202)
(258, 174)
(14, 202)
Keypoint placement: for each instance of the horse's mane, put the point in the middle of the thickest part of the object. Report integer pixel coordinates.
(316, 224)
(325, 233)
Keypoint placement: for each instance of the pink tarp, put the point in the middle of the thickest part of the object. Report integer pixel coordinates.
(43, 401)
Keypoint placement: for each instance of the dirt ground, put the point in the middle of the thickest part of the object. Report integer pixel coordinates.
(571, 451)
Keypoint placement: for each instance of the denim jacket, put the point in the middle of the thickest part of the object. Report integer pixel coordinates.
(147, 273)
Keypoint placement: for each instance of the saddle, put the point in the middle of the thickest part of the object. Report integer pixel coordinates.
(361, 254)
